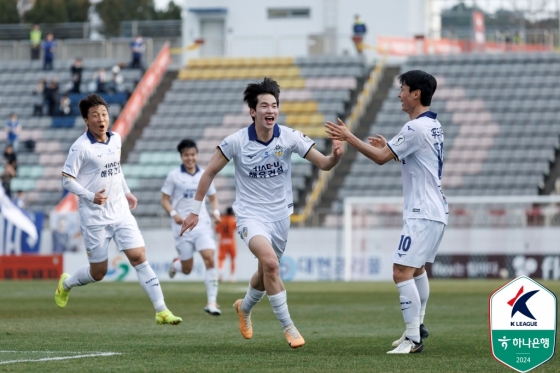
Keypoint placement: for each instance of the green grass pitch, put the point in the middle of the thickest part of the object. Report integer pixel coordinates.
(348, 327)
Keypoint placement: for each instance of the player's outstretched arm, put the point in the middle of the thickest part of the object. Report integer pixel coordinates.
(326, 163)
(217, 162)
(340, 132)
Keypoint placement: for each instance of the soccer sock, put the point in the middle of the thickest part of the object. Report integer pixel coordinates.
(410, 306)
(80, 278)
(423, 287)
(178, 266)
(252, 297)
(279, 304)
(211, 285)
(150, 283)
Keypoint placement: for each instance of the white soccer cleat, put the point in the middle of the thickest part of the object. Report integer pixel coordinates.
(212, 309)
(423, 334)
(400, 340)
(172, 272)
(408, 347)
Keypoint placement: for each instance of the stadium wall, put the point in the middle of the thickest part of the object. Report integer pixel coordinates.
(248, 30)
(315, 254)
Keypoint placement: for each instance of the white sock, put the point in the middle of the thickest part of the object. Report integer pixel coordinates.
(80, 278)
(423, 287)
(211, 285)
(279, 304)
(252, 297)
(150, 283)
(178, 266)
(410, 306)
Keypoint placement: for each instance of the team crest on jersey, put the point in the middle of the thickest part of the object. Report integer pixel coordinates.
(278, 150)
(399, 140)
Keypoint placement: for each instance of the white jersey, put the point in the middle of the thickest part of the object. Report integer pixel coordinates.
(181, 187)
(97, 166)
(263, 182)
(419, 148)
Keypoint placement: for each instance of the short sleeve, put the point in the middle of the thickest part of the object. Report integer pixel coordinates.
(230, 146)
(74, 162)
(168, 185)
(405, 143)
(301, 143)
(211, 190)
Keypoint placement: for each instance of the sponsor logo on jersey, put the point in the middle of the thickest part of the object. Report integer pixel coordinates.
(415, 210)
(399, 140)
(279, 151)
(304, 137)
(265, 154)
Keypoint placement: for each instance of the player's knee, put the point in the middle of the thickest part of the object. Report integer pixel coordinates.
(209, 262)
(271, 267)
(98, 275)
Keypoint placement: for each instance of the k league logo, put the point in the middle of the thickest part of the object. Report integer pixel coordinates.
(522, 324)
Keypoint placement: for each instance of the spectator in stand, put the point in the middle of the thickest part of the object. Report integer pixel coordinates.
(39, 101)
(65, 105)
(13, 129)
(52, 96)
(35, 36)
(359, 29)
(100, 81)
(49, 47)
(76, 71)
(10, 169)
(10, 157)
(19, 200)
(137, 47)
(116, 85)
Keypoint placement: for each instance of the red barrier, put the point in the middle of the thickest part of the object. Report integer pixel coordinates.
(142, 93)
(31, 267)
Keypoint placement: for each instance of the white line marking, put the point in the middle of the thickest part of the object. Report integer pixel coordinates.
(58, 358)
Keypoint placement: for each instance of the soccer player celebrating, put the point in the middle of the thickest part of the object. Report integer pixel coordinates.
(93, 172)
(177, 195)
(419, 147)
(226, 230)
(263, 202)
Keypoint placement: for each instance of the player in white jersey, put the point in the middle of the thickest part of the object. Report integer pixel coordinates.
(263, 202)
(177, 195)
(419, 148)
(93, 172)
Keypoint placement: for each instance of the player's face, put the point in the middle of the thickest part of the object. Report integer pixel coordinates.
(266, 112)
(98, 121)
(407, 98)
(189, 157)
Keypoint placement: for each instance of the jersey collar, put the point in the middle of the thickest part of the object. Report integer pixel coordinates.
(93, 140)
(253, 134)
(429, 114)
(183, 169)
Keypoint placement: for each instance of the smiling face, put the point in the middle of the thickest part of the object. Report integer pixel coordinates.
(409, 99)
(97, 122)
(266, 112)
(189, 157)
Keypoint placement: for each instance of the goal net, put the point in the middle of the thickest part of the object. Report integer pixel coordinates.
(486, 237)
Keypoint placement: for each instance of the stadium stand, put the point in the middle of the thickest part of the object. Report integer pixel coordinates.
(501, 133)
(39, 169)
(206, 104)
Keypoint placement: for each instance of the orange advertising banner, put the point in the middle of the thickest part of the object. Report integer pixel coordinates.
(31, 267)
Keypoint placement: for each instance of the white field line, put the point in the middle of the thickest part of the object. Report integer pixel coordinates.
(57, 357)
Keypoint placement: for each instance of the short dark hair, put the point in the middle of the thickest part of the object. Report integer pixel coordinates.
(418, 79)
(186, 144)
(229, 211)
(254, 90)
(91, 100)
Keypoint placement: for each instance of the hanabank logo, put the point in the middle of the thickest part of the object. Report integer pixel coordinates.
(519, 305)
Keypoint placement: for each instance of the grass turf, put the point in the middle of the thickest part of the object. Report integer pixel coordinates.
(347, 327)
